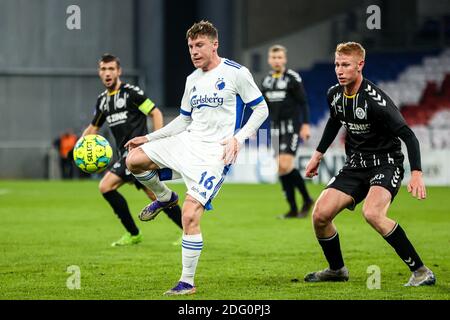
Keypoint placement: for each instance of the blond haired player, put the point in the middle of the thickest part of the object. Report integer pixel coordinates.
(373, 170)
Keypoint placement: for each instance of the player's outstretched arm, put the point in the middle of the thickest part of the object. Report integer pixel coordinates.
(177, 125)
(91, 129)
(157, 118)
(394, 122)
(329, 134)
(416, 185)
(136, 142)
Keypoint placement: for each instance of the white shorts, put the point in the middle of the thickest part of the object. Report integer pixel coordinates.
(199, 163)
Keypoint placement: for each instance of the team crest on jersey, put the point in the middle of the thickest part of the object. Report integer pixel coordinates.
(120, 103)
(360, 113)
(220, 84)
(281, 84)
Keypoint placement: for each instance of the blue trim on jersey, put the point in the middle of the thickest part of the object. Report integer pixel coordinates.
(165, 174)
(208, 205)
(255, 102)
(232, 64)
(240, 106)
(185, 113)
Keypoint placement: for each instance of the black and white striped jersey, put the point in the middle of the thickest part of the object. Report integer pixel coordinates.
(286, 98)
(372, 122)
(125, 110)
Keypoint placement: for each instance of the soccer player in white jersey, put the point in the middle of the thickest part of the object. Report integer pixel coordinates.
(201, 143)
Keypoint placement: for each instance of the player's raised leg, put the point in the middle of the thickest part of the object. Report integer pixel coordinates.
(375, 211)
(192, 245)
(329, 204)
(145, 171)
(108, 187)
(174, 213)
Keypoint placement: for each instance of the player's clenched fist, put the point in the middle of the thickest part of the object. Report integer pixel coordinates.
(312, 167)
(136, 142)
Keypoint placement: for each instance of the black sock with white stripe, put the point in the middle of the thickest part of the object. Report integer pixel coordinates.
(332, 250)
(399, 241)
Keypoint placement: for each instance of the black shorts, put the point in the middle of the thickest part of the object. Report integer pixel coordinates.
(289, 143)
(357, 182)
(119, 168)
(287, 132)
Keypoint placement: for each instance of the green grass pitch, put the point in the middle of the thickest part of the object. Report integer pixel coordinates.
(248, 253)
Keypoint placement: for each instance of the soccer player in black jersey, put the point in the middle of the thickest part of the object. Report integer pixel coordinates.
(125, 108)
(289, 114)
(373, 170)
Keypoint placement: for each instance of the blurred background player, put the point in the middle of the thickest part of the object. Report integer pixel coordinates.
(373, 169)
(201, 143)
(289, 116)
(125, 108)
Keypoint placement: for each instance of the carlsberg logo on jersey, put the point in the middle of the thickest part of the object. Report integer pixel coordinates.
(206, 101)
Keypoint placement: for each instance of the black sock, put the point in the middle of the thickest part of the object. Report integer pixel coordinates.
(332, 250)
(399, 241)
(297, 180)
(174, 214)
(289, 192)
(120, 207)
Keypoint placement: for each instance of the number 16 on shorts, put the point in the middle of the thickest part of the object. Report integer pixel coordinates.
(205, 185)
(207, 181)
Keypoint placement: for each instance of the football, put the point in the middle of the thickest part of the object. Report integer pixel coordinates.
(92, 153)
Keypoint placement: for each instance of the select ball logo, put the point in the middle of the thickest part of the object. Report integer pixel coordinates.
(92, 153)
(89, 151)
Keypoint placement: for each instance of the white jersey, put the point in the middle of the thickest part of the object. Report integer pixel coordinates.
(215, 100)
